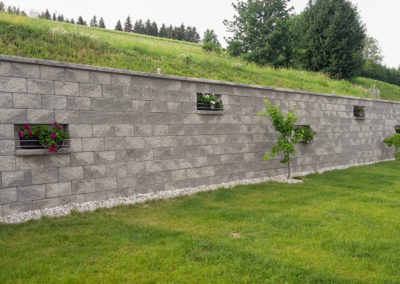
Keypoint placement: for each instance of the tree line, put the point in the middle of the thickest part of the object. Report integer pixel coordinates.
(328, 36)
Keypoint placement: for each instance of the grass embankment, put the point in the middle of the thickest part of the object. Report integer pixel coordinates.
(73, 43)
(338, 227)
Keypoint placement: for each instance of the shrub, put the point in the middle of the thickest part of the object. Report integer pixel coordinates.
(394, 140)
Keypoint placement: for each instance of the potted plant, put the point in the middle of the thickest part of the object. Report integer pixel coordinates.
(42, 136)
(359, 112)
(209, 102)
(306, 133)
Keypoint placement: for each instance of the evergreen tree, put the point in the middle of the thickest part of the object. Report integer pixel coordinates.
(81, 21)
(333, 38)
(163, 31)
(2, 7)
(93, 21)
(128, 25)
(72, 21)
(138, 27)
(118, 26)
(170, 32)
(261, 28)
(102, 25)
(153, 29)
(54, 17)
(47, 15)
(211, 37)
(147, 27)
(60, 18)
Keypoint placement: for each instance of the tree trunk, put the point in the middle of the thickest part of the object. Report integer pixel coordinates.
(288, 168)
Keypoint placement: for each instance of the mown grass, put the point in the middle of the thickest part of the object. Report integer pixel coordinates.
(337, 227)
(73, 43)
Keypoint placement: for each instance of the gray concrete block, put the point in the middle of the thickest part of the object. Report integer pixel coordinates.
(123, 130)
(7, 163)
(94, 171)
(52, 73)
(45, 203)
(41, 116)
(32, 192)
(79, 103)
(103, 130)
(83, 186)
(80, 130)
(90, 90)
(6, 100)
(126, 181)
(66, 88)
(122, 105)
(29, 162)
(96, 196)
(144, 155)
(82, 158)
(40, 176)
(44, 87)
(16, 208)
(106, 184)
(10, 179)
(54, 102)
(111, 91)
(71, 173)
(142, 106)
(67, 116)
(65, 188)
(93, 144)
(102, 104)
(27, 101)
(121, 80)
(8, 195)
(136, 168)
(104, 157)
(72, 199)
(160, 130)
(7, 147)
(143, 130)
(117, 143)
(162, 153)
(179, 175)
(52, 190)
(135, 143)
(146, 178)
(116, 169)
(132, 93)
(8, 84)
(99, 77)
(76, 75)
(57, 161)
(131, 118)
(13, 116)
(113, 117)
(89, 117)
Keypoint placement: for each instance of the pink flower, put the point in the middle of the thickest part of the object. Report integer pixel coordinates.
(61, 127)
(54, 123)
(52, 150)
(21, 134)
(53, 135)
(26, 126)
(29, 131)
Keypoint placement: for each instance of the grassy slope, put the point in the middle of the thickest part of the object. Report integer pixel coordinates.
(65, 42)
(338, 227)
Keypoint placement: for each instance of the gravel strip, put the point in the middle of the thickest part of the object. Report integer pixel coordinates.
(140, 198)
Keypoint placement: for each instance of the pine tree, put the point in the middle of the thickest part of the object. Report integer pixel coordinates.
(128, 25)
(47, 15)
(72, 21)
(54, 17)
(138, 27)
(333, 38)
(154, 29)
(93, 21)
(102, 25)
(118, 26)
(147, 27)
(170, 32)
(81, 21)
(163, 31)
(2, 7)
(60, 18)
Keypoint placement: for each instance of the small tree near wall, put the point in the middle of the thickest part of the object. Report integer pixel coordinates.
(286, 126)
(394, 140)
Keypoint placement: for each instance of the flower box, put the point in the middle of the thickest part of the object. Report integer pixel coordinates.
(397, 128)
(30, 143)
(209, 102)
(359, 112)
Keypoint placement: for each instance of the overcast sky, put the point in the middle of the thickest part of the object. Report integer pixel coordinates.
(381, 17)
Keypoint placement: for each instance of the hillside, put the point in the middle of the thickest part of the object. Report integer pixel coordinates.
(44, 39)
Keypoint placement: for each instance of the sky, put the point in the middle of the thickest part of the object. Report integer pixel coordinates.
(381, 18)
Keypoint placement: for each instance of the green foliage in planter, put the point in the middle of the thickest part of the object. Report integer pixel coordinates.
(306, 132)
(210, 99)
(394, 140)
(286, 125)
(50, 137)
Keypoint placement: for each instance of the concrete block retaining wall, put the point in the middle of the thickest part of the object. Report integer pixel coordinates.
(135, 132)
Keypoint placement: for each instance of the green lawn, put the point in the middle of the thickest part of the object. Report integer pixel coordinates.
(337, 227)
(79, 44)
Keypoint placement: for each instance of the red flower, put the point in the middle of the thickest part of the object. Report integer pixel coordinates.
(54, 123)
(53, 135)
(37, 132)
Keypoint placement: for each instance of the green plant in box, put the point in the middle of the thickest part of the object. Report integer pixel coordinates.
(394, 140)
(50, 137)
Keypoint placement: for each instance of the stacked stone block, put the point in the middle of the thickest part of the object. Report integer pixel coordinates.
(136, 132)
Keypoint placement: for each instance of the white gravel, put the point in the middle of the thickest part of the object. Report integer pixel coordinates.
(140, 198)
